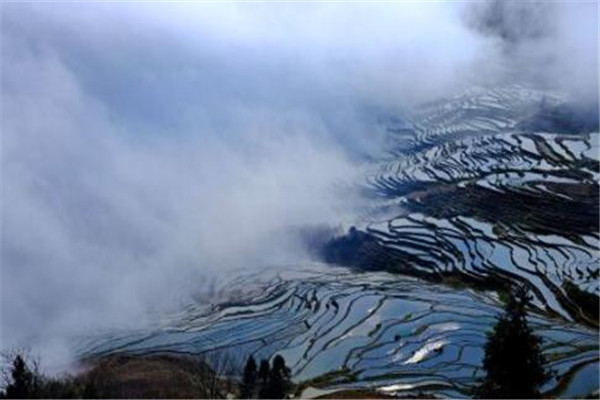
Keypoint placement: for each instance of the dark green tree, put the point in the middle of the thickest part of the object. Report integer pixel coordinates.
(279, 383)
(263, 371)
(513, 361)
(23, 382)
(248, 379)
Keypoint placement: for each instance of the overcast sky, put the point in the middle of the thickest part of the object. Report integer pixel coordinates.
(147, 146)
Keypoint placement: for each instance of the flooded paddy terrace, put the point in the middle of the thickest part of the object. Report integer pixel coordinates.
(478, 193)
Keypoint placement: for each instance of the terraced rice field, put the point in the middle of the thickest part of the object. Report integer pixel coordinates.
(483, 190)
(372, 330)
(488, 196)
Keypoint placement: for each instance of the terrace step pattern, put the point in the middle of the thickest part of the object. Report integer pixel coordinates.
(475, 190)
(369, 330)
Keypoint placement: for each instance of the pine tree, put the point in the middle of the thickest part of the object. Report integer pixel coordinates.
(279, 380)
(513, 360)
(263, 371)
(24, 383)
(249, 379)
